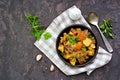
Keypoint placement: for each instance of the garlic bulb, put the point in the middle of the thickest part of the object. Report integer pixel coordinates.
(75, 14)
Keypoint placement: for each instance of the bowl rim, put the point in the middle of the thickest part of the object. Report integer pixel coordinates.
(76, 26)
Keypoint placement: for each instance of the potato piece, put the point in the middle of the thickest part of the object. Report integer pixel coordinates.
(73, 61)
(66, 51)
(91, 52)
(61, 48)
(67, 56)
(71, 33)
(78, 29)
(61, 39)
(87, 42)
(90, 48)
(64, 34)
(92, 45)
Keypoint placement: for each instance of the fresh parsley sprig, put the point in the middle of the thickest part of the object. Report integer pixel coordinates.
(33, 20)
(36, 30)
(106, 28)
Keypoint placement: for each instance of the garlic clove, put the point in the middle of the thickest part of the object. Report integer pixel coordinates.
(38, 57)
(52, 68)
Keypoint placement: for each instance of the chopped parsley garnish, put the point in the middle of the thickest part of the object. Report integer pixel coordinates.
(62, 53)
(91, 37)
(84, 49)
(76, 56)
(72, 39)
(36, 30)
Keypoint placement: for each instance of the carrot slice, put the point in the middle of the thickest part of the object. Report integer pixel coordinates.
(81, 36)
(64, 38)
(78, 46)
(93, 41)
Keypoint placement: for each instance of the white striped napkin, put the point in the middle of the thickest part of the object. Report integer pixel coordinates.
(48, 46)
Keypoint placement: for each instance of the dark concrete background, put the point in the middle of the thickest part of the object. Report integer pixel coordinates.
(17, 52)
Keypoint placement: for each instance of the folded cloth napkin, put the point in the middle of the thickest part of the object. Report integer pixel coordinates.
(49, 49)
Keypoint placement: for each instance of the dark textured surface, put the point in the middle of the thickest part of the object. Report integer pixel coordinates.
(17, 52)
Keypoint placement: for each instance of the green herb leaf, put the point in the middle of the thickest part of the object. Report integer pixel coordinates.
(106, 28)
(76, 56)
(109, 23)
(38, 34)
(110, 35)
(62, 53)
(104, 31)
(47, 35)
(67, 38)
(72, 39)
(102, 27)
(76, 39)
(84, 49)
(91, 37)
